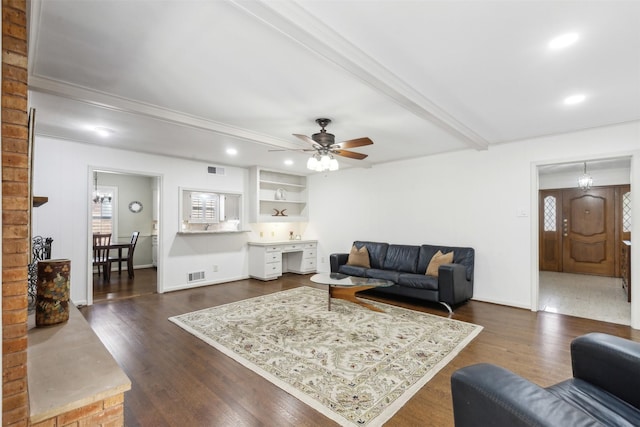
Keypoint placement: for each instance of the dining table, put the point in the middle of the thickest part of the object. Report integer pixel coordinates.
(106, 249)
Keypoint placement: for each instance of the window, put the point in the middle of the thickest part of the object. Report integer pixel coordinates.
(550, 213)
(103, 210)
(626, 212)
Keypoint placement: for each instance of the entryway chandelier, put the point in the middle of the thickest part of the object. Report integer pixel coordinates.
(585, 181)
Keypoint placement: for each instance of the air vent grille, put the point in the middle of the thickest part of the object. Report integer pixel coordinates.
(196, 276)
(217, 170)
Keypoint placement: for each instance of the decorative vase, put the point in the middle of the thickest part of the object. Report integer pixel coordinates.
(52, 297)
(280, 194)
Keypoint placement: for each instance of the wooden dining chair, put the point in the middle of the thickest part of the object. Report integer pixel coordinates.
(128, 257)
(101, 243)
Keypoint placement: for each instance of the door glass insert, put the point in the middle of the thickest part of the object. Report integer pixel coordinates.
(550, 213)
(626, 212)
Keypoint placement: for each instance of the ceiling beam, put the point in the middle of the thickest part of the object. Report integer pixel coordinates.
(298, 24)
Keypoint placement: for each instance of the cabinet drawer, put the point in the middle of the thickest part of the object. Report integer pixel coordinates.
(272, 248)
(309, 265)
(270, 257)
(292, 247)
(273, 269)
(310, 245)
(309, 253)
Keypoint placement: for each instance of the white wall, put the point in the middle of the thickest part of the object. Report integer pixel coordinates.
(601, 177)
(62, 172)
(468, 198)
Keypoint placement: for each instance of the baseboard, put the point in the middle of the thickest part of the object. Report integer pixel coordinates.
(114, 266)
(204, 283)
(500, 302)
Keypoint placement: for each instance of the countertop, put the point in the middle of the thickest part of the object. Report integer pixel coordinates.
(280, 242)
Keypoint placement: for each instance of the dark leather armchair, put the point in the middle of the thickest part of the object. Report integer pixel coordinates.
(604, 390)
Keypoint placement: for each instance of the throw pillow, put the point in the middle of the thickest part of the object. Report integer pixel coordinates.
(359, 257)
(437, 260)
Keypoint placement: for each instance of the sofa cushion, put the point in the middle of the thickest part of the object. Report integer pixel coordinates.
(436, 261)
(403, 258)
(419, 281)
(464, 256)
(359, 257)
(377, 252)
(353, 270)
(375, 273)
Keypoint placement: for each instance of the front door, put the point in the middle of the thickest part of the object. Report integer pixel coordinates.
(588, 231)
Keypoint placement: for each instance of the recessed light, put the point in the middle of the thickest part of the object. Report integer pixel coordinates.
(102, 131)
(574, 99)
(288, 162)
(563, 41)
(232, 151)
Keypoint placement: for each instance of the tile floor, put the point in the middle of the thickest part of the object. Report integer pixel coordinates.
(592, 297)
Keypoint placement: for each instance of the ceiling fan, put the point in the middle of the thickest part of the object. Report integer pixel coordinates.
(324, 143)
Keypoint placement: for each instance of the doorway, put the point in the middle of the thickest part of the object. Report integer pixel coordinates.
(130, 213)
(580, 234)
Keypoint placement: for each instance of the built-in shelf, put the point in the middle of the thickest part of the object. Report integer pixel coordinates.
(39, 201)
(275, 192)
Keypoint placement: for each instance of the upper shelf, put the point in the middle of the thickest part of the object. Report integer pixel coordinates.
(39, 201)
(281, 184)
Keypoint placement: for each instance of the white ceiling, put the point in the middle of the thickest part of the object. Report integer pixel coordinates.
(192, 78)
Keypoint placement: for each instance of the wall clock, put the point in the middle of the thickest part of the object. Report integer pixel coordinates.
(135, 207)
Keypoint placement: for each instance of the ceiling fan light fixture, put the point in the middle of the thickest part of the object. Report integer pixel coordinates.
(325, 161)
(312, 163)
(333, 165)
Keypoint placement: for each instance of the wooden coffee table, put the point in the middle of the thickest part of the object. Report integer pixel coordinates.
(342, 286)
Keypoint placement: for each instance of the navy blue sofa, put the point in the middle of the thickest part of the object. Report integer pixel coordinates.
(405, 265)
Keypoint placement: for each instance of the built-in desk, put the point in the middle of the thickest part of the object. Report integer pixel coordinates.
(268, 260)
(72, 376)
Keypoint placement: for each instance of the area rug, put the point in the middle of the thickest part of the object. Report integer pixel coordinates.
(354, 365)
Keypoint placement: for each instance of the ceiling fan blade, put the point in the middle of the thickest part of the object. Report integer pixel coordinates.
(353, 143)
(305, 138)
(350, 154)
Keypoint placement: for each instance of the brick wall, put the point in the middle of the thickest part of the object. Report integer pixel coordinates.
(15, 209)
(104, 413)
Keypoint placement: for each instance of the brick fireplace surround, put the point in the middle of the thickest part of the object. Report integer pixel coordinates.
(15, 240)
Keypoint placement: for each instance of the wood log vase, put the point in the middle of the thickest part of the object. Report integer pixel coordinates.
(52, 297)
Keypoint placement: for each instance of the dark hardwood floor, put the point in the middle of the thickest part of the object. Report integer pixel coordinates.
(120, 286)
(178, 380)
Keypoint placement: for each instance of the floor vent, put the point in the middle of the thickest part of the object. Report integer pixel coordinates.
(215, 170)
(195, 276)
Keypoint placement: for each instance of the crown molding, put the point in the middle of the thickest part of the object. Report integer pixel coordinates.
(298, 24)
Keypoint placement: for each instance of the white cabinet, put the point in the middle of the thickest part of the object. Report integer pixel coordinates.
(277, 196)
(154, 250)
(267, 261)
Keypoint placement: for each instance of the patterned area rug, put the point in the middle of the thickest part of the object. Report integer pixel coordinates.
(354, 365)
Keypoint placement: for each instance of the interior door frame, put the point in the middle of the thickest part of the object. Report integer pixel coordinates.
(160, 181)
(534, 223)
